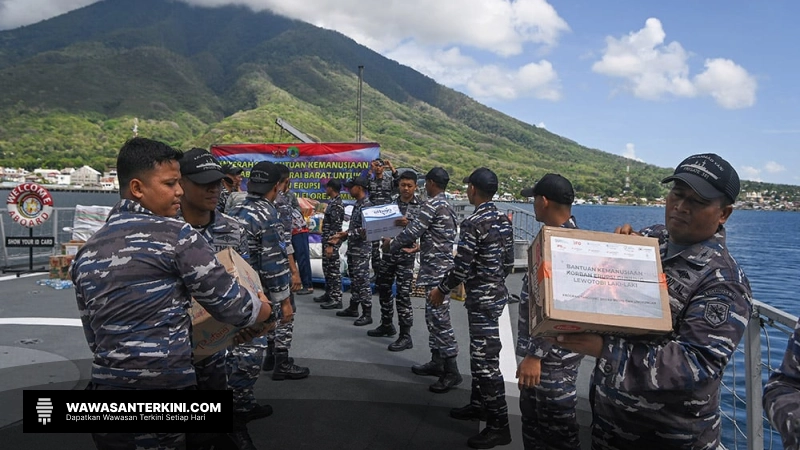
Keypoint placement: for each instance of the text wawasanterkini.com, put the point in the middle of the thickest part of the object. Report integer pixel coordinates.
(140, 411)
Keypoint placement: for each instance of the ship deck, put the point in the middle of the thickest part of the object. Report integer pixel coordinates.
(359, 395)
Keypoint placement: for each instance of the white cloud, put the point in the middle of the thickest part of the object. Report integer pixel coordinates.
(773, 167)
(630, 152)
(730, 85)
(541, 125)
(537, 80)
(652, 69)
(485, 82)
(427, 36)
(749, 173)
(502, 27)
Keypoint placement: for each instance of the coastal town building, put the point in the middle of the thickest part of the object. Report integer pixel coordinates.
(85, 176)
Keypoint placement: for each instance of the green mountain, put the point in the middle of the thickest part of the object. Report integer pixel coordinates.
(72, 86)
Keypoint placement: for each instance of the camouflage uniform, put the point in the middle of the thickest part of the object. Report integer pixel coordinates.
(358, 255)
(381, 192)
(282, 336)
(435, 227)
(782, 394)
(234, 199)
(484, 258)
(266, 244)
(652, 393)
(399, 265)
(223, 232)
(134, 280)
(224, 193)
(331, 267)
(549, 419)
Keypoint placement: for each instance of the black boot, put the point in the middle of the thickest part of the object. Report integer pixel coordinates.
(469, 412)
(240, 437)
(490, 438)
(434, 367)
(366, 316)
(450, 378)
(285, 368)
(331, 304)
(383, 330)
(259, 412)
(242, 440)
(322, 298)
(402, 343)
(350, 311)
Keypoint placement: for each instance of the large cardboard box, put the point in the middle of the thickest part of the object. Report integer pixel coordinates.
(593, 282)
(379, 221)
(209, 335)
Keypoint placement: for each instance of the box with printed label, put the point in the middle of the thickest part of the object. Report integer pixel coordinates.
(379, 221)
(71, 247)
(59, 266)
(593, 282)
(209, 335)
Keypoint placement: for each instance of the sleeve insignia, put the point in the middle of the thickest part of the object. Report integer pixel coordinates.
(716, 313)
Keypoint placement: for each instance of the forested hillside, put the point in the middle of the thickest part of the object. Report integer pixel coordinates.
(72, 86)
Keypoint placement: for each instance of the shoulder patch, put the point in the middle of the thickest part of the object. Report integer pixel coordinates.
(716, 313)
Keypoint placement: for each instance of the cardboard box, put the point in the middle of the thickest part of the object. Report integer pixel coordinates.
(209, 335)
(379, 221)
(59, 266)
(593, 282)
(71, 247)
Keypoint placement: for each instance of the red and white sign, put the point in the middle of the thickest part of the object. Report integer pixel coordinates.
(29, 205)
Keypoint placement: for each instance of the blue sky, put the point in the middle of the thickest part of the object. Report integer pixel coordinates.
(655, 81)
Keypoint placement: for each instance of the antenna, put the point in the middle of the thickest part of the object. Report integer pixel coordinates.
(360, 116)
(627, 178)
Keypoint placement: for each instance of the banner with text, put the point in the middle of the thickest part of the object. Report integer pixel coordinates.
(311, 165)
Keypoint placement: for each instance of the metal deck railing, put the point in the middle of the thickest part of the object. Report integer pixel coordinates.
(760, 352)
(758, 355)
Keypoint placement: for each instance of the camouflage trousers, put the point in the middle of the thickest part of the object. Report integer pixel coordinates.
(401, 272)
(211, 373)
(488, 387)
(549, 420)
(135, 441)
(665, 422)
(358, 271)
(281, 336)
(376, 255)
(441, 337)
(244, 365)
(331, 268)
